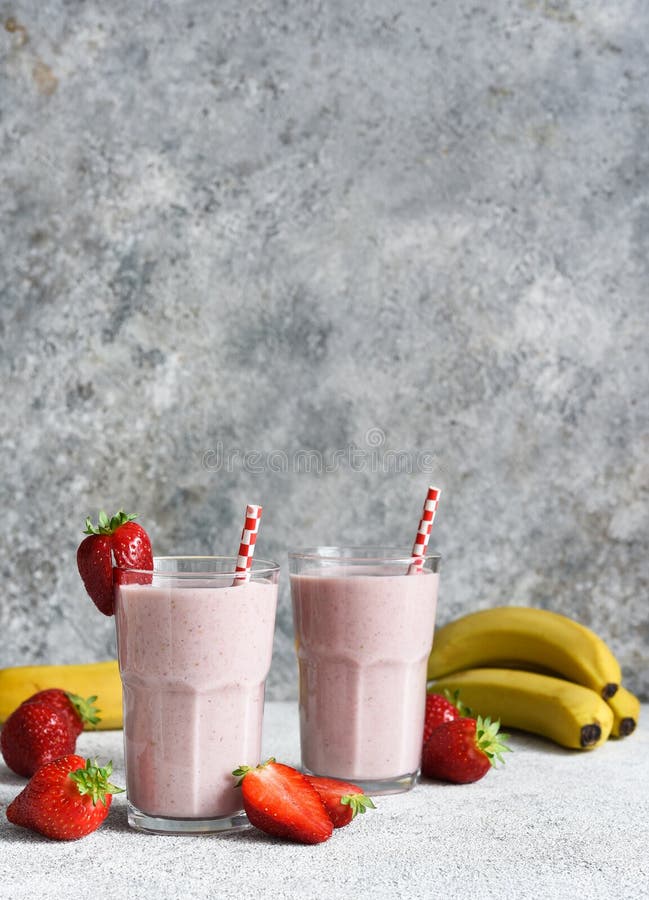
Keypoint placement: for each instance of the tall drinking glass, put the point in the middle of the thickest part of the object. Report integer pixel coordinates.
(363, 631)
(194, 651)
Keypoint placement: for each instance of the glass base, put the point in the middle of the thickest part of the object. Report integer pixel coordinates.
(375, 787)
(163, 825)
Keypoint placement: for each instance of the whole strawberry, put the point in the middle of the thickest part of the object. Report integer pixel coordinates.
(463, 750)
(280, 801)
(66, 799)
(35, 734)
(439, 709)
(77, 711)
(119, 537)
(342, 800)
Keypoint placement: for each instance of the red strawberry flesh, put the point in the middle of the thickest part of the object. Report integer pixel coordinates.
(280, 801)
(342, 799)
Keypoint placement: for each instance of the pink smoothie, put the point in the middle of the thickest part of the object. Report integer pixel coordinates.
(363, 642)
(193, 662)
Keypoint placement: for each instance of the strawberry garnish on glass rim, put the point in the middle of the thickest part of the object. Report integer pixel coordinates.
(118, 537)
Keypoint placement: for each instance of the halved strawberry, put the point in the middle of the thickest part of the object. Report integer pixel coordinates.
(280, 801)
(120, 537)
(342, 799)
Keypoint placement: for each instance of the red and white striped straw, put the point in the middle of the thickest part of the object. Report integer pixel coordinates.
(423, 532)
(247, 544)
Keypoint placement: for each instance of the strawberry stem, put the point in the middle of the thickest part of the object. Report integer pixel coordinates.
(93, 780)
(490, 739)
(454, 698)
(106, 525)
(358, 803)
(85, 709)
(242, 771)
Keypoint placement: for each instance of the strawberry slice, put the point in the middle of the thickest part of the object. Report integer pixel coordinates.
(65, 799)
(463, 750)
(280, 801)
(120, 537)
(342, 800)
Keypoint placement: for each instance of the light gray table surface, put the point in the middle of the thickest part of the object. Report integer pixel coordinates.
(550, 823)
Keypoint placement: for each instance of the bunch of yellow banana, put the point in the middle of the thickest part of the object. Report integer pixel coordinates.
(536, 670)
(99, 679)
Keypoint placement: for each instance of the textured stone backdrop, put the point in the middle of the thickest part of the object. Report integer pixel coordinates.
(415, 233)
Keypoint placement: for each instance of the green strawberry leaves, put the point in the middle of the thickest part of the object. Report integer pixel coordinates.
(454, 698)
(358, 803)
(242, 771)
(85, 708)
(106, 525)
(491, 740)
(93, 780)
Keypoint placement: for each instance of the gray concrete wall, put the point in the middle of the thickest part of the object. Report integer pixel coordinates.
(401, 235)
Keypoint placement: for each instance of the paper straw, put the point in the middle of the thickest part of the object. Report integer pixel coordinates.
(423, 532)
(247, 544)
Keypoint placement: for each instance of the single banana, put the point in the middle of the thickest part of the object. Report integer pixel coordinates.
(522, 637)
(99, 679)
(626, 712)
(569, 714)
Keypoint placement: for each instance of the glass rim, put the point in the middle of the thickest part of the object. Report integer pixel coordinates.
(258, 567)
(360, 554)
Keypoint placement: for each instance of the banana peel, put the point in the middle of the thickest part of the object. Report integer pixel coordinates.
(569, 714)
(525, 638)
(626, 712)
(100, 679)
